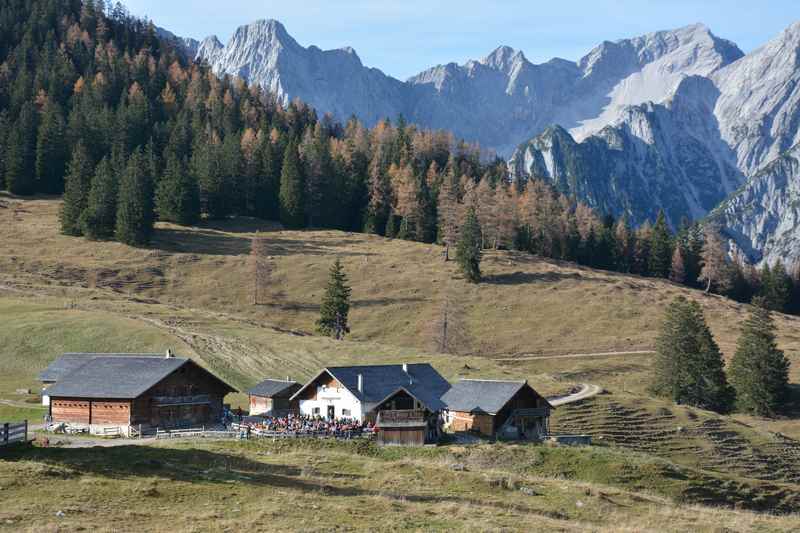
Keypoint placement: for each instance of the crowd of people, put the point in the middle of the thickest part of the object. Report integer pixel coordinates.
(303, 425)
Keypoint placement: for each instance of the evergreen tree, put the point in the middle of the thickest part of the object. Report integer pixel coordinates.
(777, 287)
(468, 253)
(335, 304)
(689, 368)
(177, 195)
(660, 248)
(292, 199)
(266, 184)
(135, 215)
(76, 191)
(99, 219)
(759, 370)
(51, 150)
(21, 153)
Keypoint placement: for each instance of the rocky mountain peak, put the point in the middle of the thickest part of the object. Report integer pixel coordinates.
(504, 59)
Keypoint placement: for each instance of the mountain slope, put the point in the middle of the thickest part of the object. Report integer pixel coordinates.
(498, 101)
(654, 156)
(763, 218)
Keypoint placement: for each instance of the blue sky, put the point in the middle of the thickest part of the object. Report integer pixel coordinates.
(404, 37)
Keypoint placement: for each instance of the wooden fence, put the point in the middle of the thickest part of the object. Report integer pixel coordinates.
(12, 433)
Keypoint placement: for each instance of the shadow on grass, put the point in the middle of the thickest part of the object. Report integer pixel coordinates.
(193, 465)
(523, 278)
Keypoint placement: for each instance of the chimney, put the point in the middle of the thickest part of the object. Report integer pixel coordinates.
(361, 384)
(169, 354)
(405, 368)
(287, 378)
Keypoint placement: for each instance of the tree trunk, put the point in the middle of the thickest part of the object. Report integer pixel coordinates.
(446, 252)
(708, 286)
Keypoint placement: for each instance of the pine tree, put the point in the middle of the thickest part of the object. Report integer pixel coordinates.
(177, 195)
(468, 253)
(76, 191)
(777, 287)
(759, 370)
(99, 219)
(21, 153)
(51, 150)
(660, 248)
(135, 215)
(335, 304)
(292, 189)
(689, 368)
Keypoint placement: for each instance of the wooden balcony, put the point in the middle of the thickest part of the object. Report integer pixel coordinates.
(197, 399)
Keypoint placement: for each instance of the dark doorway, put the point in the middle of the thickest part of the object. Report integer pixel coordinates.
(331, 412)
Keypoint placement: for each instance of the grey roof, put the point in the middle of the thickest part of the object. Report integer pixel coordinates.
(270, 388)
(69, 362)
(422, 381)
(475, 395)
(116, 377)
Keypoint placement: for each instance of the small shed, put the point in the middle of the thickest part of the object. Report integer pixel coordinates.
(272, 397)
(502, 409)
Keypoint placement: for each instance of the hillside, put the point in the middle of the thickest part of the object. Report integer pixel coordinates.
(205, 486)
(531, 318)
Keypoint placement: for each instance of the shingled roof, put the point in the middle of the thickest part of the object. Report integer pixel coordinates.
(487, 396)
(71, 361)
(379, 381)
(116, 376)
(271, 388)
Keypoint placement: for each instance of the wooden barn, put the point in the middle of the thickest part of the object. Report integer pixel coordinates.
(132, 390)
(272, 397)
(404, 419)
(503, 409)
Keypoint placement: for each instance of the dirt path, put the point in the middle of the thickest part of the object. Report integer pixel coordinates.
(587, 390)
(571, 355)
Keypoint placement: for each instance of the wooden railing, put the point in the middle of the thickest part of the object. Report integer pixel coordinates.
(12, 433)
(402, 415)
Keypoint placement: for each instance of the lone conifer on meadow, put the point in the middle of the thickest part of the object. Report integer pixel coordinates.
(335, 304)
(76, 191)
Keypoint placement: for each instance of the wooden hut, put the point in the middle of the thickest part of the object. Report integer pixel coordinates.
(501, 409)
(272, 397)
(135, 390)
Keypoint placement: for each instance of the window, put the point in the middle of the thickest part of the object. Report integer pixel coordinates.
(346, 412)
(315, 411)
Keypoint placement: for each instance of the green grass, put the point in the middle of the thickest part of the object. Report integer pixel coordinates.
(212, 486)
(9, 413)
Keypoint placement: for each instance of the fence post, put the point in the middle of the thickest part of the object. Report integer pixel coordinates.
(26, 431)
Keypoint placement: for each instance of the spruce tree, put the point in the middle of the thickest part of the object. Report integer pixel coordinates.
(689, 368)
(51, 151)
(777, 287)
(292, 188)
(660, 248)
(335, 304)
(98, 220)
(468, 252)
(177, 195)
(21, 153)
(135, 204)
(76, 191)
(759, 370)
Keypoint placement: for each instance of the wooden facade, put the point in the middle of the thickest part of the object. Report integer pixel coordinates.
(188, 397)
(523, 416)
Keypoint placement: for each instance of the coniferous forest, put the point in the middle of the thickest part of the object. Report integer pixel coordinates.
(96, 107)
